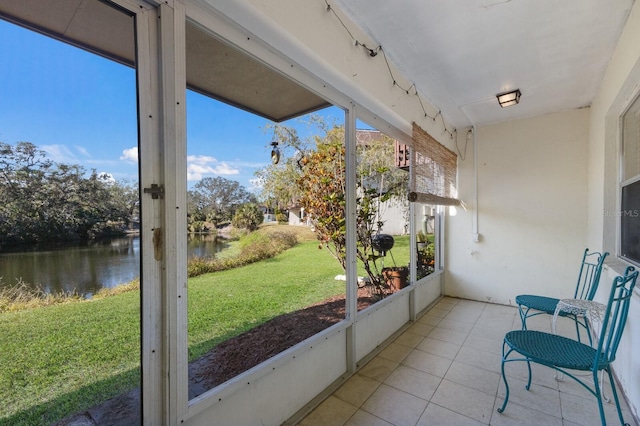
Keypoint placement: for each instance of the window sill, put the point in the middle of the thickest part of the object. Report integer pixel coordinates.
(618, 266)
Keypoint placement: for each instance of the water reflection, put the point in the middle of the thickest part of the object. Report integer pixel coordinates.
(204, 245)
(87, 267)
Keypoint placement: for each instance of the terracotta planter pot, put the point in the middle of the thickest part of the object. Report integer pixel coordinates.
(396, 278)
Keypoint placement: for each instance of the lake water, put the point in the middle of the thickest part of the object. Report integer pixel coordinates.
(88, 267)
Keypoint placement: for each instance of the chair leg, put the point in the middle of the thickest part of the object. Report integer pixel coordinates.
(504, 376)
(504, 379)
(577, 324)
(523, 315)
(599, 397)
(615, 398)
(586, 326)
(529, 382)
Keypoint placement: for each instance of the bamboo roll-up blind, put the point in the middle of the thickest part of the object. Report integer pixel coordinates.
(433, 171)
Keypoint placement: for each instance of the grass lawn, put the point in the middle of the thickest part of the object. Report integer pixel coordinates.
(62, 359)
(248, 296)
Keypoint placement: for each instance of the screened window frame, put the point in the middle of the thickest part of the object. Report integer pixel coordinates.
(627, 180)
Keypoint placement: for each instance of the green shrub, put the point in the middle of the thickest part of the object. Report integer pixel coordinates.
(254, 247)
(248, 216)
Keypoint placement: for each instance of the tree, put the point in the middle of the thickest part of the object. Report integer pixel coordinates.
(278, 181)
(320, 187)
(278, 184)
(215, 199)
(44, 201)
(323, 187)
(23, 171)
(102, 206)
(248, 216)
(125, 197)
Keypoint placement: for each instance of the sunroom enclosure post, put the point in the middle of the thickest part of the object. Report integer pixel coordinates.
(162, 151)
(413, 261)
(150, 214)
(174, 238)
(351, 222)
(439, 223)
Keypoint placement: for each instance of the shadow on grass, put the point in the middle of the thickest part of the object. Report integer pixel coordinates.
(82, 400)
(240, 351)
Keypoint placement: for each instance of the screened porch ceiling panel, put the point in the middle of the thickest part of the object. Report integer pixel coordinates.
(214, 68)
(460, 54)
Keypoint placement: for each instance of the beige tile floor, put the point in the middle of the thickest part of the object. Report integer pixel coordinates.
(445, 370)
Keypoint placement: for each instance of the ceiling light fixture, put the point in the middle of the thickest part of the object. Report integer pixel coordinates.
(506, 99)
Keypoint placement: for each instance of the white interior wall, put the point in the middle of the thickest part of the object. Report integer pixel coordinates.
(532, 210)
(374, 326)
(620, 85)
(272, 398)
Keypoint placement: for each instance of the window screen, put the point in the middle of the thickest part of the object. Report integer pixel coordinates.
(630, 186)
(630, 222)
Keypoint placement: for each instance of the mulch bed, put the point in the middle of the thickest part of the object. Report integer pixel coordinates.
(245, 351)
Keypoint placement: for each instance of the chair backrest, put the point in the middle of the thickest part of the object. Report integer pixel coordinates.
(616, 316)
(589, 276)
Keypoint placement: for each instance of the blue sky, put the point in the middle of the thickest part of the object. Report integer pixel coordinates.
(81, 109)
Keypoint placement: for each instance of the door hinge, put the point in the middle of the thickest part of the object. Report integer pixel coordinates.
(156, 191)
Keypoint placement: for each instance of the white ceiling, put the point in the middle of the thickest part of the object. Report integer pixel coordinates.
(458, 53)
(461, 53)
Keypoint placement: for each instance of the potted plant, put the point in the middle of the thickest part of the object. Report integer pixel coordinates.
(426, 260)
(396, 277)
(422, 240)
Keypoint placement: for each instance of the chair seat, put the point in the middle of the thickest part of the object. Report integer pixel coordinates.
(551, 349)
(539, 303)
(567, 355)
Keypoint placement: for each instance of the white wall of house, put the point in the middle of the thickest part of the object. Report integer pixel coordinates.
(619, 87)
(393, 213)
(531, 210)
(395, 216)
(296, 216)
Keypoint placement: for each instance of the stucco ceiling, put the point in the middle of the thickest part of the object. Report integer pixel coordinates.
(461, 53)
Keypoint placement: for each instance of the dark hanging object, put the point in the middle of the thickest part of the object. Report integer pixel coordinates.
(382, 243)
(275, 153)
